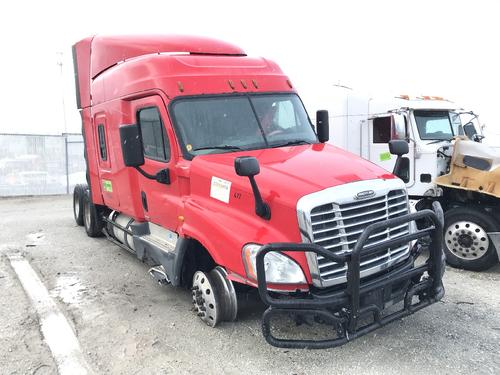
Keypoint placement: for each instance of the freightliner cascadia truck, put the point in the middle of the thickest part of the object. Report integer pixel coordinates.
(448, 161)
(203, 163)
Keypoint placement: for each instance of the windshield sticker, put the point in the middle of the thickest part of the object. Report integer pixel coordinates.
(384, 156)
(220, 189)
(189, 147)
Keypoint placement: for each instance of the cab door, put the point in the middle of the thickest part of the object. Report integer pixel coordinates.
(160, 201)
(382, 129)
(109, 188)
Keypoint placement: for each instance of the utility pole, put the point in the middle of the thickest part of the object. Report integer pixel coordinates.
(60, 63)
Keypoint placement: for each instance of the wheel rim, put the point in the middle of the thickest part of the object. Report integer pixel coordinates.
(467, 240)
(205, 303)
(76, 206)
(86, 215)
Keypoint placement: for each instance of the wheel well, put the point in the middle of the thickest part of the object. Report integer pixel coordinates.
(455, 198)
(196, 258)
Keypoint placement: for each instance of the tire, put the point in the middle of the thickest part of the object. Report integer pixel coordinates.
(78, 196)
(465, 242)
(214, 297)
(91, 220)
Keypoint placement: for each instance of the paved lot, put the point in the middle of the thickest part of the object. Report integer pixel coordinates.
(125, 323)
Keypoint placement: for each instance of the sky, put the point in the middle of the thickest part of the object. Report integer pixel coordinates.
(442, 48)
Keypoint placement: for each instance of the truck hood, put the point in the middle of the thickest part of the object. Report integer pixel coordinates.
(288, 173)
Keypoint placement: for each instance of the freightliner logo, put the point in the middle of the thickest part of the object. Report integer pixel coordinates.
(364, 194)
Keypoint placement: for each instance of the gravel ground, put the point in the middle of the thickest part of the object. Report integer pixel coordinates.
(127, 324)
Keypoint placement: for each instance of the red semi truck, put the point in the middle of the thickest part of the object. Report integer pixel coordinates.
(203, 163)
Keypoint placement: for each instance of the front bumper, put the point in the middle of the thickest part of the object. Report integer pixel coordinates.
(345, 309)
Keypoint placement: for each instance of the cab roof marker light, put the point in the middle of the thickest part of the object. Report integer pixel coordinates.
(422, 97)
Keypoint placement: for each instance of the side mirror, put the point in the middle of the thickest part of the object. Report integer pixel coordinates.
(398, 147)
(398, 126)
(401, 169)
(131, 143)
(322, 126)
(470, 130)
(248, 166)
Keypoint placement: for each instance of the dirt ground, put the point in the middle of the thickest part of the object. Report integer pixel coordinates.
(127, 324)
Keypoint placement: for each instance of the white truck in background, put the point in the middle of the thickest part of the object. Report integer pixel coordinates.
(446, 162)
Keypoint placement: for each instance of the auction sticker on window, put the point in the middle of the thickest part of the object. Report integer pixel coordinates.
(220, 189)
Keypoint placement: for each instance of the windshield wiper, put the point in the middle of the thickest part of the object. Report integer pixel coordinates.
(219, 147)
(440, 140)
(294, 142)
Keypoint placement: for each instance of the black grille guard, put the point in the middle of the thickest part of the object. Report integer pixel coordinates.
(343, 309)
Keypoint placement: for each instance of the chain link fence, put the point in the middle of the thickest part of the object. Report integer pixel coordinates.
(40, 164)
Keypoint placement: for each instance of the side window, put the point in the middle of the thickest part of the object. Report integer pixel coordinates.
(102, 142)
(154, 136)
(381, 130)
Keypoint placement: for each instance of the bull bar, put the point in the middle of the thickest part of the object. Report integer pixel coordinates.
(343, 309)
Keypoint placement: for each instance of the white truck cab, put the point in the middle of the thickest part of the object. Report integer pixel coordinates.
(431, 125)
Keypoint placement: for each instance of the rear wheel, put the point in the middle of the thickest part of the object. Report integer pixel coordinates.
(91, 220)
(214, 297)
(466, 242)
(78, 196)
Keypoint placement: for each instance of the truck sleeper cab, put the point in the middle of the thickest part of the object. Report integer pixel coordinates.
(203, 163)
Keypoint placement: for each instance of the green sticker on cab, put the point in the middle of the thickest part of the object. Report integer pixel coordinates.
(384, 156)
(107, 186)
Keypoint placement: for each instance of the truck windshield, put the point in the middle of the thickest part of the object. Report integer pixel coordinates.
(228, 123)
(434, 125)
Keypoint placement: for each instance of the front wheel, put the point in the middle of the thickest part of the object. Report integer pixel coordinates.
(214, 296)
(466, 242)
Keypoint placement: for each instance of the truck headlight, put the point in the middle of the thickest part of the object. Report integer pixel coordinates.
(280, 269)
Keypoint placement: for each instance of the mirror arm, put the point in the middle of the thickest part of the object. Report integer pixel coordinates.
(262, 209)
(145, 174)
(163, 176)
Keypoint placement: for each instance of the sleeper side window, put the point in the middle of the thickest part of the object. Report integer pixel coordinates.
(381, 129)
(154, 136)
(102, 142)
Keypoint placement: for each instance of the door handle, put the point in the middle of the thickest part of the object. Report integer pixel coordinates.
(144, 200)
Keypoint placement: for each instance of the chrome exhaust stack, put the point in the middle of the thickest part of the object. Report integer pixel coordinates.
(158, 273)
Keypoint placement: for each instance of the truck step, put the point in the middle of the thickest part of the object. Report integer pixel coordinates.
(159, 242)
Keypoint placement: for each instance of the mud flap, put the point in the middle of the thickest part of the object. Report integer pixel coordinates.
(495, 238)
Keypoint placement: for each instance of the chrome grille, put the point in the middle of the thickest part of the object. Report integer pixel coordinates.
(337, 226)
